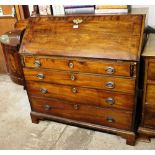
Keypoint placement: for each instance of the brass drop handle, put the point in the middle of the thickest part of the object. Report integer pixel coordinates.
(110, 85)
(73, 77)
(110, 119)
(76, 106)
(40, 76)
(37, 63)
(44, 91)
(110, 70)
(110, 100)
(74, 90)
(47, 107)
(71, 65)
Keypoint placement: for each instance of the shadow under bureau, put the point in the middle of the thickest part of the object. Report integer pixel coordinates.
(83, 70)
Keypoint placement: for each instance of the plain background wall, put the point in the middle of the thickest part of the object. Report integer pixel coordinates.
(151, 13)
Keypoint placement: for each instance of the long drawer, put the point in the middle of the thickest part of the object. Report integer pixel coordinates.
(106, 67)
(81, 79)
(90, 114)
(95, 97)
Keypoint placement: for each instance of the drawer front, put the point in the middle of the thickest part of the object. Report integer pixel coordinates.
(151, 70)
(79, 79)
(150, 94)
(149, 116)
(84, 113)
(89, 66)
(95, 97)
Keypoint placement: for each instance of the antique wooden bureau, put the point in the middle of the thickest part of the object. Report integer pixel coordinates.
(83, 70)
(147, 127)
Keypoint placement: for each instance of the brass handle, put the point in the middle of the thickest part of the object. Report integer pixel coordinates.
(76, 106)
(110, 100)
(110, 70)
(37, 63)
(47, 107)
(40, 76)
(71, 65)
(73, 77)
(77, 21)
(110, 85)
(110, 119)
(74, 90)
(44, 91)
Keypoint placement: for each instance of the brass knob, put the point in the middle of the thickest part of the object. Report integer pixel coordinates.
(110, 85)
(76, 106)
(44, 91)
(77, 21)
(74, 90)
(46, 107)
(71, 65)
(40, 76)
(110, 70)
(73, 77)
(110, 119)
(110, 100)
(37, 63)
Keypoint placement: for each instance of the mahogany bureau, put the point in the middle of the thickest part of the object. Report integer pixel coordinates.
(83, 70)
(147, 127)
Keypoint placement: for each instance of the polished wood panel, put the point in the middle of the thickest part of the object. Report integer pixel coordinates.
(81, 79)
(82, 95)
(151, 69)
(85, 113)
(6, 24)
(150, 94)
(108, 67)
(98, 36)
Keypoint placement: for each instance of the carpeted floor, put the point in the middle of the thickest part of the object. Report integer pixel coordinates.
(17, 131)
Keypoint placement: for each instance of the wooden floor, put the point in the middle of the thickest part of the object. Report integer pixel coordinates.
(17, 131)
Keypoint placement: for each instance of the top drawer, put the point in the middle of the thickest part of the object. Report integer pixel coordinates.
(107, 67)
(151, 69)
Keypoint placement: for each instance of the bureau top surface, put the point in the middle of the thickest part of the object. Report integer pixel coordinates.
(89, 36)
(149, 49)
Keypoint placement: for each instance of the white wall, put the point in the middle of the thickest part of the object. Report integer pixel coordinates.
(151, 13)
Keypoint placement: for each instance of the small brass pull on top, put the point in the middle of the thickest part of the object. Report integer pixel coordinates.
(71, 65)
(77, 21)
(40, 76)
(110, 70)
(110, 100)
(110, 85)
(37, 63)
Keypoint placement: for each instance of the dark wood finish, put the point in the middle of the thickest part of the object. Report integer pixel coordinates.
(84, 113)
(86, 96)
(98, 36)
(147, 126)
(65, 61)
(81, 79)
(6, 24)
(119, 68)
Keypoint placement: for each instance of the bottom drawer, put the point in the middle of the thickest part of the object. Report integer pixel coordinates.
(149, 116)
(85, 113)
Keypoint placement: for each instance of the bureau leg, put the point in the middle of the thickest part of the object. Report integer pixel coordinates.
(34, 119)
(130, 140)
